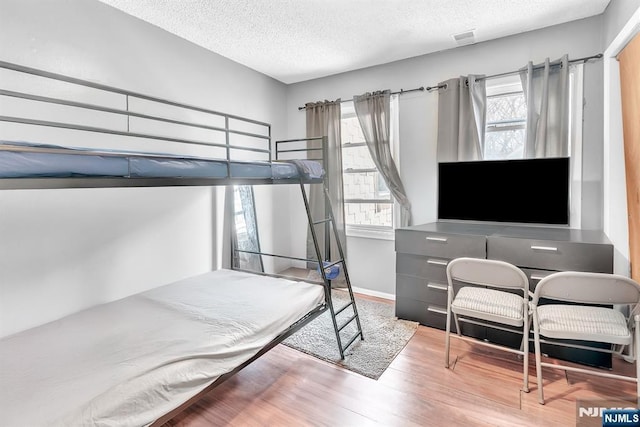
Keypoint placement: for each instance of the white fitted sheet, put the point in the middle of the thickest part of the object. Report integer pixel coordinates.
(128, 362)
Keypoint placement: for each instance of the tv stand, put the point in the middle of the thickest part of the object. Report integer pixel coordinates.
(423, 252)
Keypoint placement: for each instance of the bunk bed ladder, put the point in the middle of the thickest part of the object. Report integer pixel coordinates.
(342, 346)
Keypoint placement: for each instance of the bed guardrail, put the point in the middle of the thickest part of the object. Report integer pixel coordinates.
(314, 146)
(229, 133)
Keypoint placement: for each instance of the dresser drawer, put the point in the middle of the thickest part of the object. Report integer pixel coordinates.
(431, 268)
(425, 313)
(421, 289)
(551, 254)
(440, 245)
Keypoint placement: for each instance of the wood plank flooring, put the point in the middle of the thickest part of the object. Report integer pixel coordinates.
(483, 387)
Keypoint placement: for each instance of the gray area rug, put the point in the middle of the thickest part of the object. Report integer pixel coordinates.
(384, 336)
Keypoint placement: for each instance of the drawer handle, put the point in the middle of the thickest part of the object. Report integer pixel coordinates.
(437, 310)
(437, 239)
(537, 277)
(437, 286)
(544, 248)
(437, 262)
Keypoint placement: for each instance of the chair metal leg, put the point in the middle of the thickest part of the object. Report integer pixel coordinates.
(447, 338)
(448, 326)
(536, 341)
(630, 355)
(525, 347)
(458, 329)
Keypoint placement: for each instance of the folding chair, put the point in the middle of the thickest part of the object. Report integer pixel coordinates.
(577, 313)
(482, 297)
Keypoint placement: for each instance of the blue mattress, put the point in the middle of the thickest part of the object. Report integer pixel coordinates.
(16, 164)
(63, 164)
(180, 168)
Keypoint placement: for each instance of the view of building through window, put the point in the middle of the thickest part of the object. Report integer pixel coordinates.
(368, 201)
(506, 120)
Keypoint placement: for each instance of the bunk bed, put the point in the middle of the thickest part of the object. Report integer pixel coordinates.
(142, 359)
(30, 165)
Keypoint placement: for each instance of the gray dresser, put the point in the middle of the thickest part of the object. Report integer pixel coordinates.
(423, 251)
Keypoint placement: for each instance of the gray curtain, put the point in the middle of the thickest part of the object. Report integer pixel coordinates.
(373, 111)
(323, 119)
(462, 111)
(546, 90)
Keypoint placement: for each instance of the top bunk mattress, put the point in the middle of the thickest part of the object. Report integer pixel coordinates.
(131, 361)
(29, 160)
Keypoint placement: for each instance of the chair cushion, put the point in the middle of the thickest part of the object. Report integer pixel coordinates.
(489, 304)
(577, 322)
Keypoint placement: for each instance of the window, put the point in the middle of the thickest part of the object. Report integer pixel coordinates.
(245, 231)
(369, 205)
(506, 120)
(507, 115)
(239, 207)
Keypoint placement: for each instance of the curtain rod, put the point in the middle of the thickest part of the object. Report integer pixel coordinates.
(508, 73)
(400, 92)
(430, 88)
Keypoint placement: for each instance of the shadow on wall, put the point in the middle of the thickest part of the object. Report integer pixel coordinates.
(65, 250)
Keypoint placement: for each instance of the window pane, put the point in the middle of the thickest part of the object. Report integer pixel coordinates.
(375, 214)
(350, 130)
(382, 191)
(357, 158)
(246, 237)
(506, 107)
(506, 119)
(365, 185)
(241, 225)
(506, 144)
(362, 181)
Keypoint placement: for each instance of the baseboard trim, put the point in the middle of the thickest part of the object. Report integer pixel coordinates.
(372, 293)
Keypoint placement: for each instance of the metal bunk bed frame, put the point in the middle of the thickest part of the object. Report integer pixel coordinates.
(228, 131)
(92, 182)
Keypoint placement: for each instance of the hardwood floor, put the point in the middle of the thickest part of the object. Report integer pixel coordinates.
(289, 388)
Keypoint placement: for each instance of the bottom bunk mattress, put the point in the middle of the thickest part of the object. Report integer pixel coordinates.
(131, 361)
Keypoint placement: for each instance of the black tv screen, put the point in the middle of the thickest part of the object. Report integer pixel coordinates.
(517, 191)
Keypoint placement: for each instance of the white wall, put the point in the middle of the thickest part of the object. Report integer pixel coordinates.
(616, 15)
(63, 250)
(621, 23)
(418, 120)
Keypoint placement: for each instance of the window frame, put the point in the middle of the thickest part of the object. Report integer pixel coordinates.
(503, 86)
(372, 231)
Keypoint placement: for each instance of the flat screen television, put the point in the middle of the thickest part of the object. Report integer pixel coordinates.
(531, 191)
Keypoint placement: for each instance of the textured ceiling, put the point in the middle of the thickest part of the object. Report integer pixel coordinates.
(296, 40)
